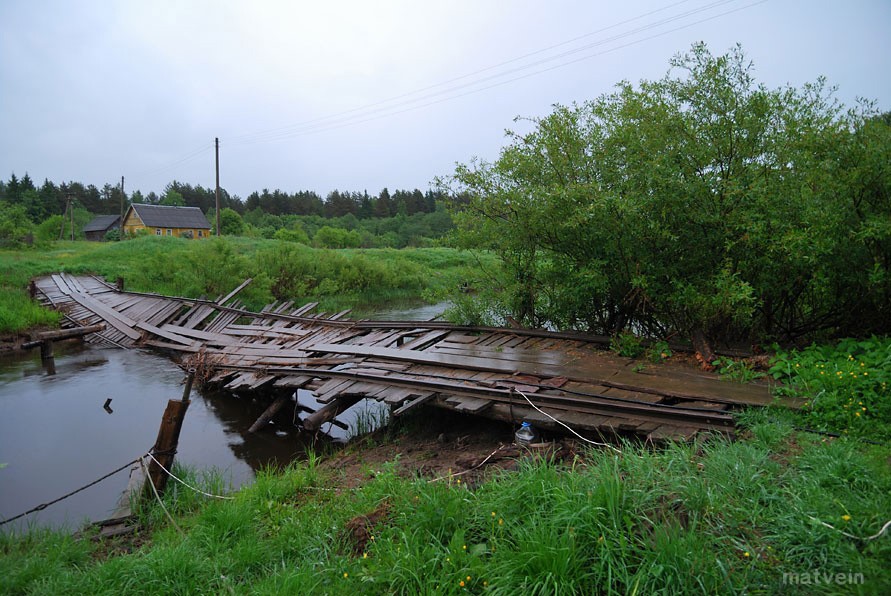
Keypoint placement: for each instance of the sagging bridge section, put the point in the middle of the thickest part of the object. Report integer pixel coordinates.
(540, 376)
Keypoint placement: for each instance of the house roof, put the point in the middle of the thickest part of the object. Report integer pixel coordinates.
(102, 223)
(162, 216)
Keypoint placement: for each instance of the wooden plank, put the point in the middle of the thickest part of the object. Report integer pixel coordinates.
(330, 389)
(471, 405)
(424, 398)
(304, 309)
(209, 337)
(232, 294)
(120, 322)
(394, 395)
(195, 347)
(427, 338)
(293, 381)
(174, 337)
(62, 285)
(668, 432)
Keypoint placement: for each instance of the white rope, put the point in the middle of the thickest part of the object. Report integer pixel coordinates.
(157, 496)
(184, 483)
(564, 425)
(843, 533)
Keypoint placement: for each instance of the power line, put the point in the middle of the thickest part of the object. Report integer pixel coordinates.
(192, 155)
(458, 78)
(320, 123)
(350, 122)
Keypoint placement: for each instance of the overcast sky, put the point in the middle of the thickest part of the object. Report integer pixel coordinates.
(364, 94)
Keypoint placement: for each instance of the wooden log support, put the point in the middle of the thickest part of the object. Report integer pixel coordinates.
(49, 336)
(119, 284)
(314, 421)
(46, 351)
(168, 439)
(32, 290)
(271, 411)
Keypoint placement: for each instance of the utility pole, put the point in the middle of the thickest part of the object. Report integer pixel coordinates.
(71, 216)
(121, 226)
(217, 146)
(67, 204)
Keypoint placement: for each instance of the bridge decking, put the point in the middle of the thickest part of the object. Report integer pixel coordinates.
(483, 371)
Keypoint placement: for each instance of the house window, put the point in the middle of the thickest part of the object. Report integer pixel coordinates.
(157, 231)
(169, 232)
(201, 233)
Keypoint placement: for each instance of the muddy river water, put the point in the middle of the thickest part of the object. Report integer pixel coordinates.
(56, 436)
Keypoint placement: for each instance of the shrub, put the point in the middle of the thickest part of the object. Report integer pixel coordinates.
(698, 201)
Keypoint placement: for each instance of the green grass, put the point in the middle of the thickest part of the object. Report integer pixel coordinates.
(337, 279)
(846, 385)
(711, 517)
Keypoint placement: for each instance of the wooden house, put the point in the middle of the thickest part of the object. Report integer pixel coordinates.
(161, 220)
(96, 229)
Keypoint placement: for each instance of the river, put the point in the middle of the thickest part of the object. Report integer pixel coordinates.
(56, 436)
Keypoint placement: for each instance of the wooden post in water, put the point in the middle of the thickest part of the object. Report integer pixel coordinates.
(168, 438)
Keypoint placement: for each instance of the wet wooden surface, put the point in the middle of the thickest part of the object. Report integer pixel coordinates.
(484, 371)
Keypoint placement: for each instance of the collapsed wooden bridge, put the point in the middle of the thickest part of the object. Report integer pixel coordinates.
(543, 377)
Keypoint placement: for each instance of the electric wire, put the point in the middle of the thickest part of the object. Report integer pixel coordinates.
(335, 122)
(391, 99)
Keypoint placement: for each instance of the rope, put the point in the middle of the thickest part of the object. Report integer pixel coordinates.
(74, 492)
(843, 533)
(157, 496)
(184, 483)
(565, 425)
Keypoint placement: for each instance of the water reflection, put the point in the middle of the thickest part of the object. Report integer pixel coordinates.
(56, 435)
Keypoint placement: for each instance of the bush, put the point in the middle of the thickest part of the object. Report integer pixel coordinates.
(328, 237)
(699, 201)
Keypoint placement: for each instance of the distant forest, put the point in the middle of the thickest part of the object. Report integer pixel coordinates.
(417, 216)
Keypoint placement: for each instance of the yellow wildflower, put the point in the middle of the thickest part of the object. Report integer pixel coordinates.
(846, 517)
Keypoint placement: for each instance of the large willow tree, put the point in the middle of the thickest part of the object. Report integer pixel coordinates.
(701, 201)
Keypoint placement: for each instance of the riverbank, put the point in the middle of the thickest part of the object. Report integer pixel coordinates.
(396, 513)
(361, 279)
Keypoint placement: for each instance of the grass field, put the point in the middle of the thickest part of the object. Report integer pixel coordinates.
(709, 518)
(338, 279)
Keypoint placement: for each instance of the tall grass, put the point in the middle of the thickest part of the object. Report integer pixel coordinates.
(711, 517)
(337, 279)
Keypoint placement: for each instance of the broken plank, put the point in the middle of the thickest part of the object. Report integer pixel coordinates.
(471, 405)
(413, 404)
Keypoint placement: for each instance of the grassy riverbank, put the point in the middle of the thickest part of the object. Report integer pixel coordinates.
(712, 517)
(338, 279)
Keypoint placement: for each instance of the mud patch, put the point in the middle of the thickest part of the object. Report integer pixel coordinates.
(359, 531)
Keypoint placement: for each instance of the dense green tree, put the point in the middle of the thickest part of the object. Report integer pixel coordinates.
(231, 223)
(701, 201)
(14, 223)
(173, 199)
